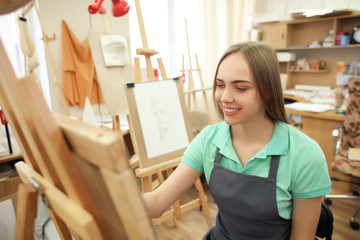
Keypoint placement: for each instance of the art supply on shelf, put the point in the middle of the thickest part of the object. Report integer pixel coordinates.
(342, 38)
(328, 41)
(339, 97)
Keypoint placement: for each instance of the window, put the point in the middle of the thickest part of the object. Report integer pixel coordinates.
(164, 22)
(10, 38)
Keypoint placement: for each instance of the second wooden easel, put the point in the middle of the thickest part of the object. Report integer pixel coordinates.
(164, 169)
(191, 91)
(46, 40)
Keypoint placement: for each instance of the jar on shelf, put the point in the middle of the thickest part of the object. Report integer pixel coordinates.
(342, 38)
(328, 41)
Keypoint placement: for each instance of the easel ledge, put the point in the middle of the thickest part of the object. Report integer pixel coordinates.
(143, 172)
(198, 90)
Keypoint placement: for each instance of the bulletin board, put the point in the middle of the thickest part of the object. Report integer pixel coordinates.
(159, 120)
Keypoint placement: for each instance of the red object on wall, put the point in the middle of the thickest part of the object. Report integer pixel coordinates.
(97, 7)
(3, 119)
(119, 8)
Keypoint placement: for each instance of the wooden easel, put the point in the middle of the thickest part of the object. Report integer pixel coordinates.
(164, 169)
(68, 163)
(116, 127)
(191, 91)
(46, 40)
(145, 51)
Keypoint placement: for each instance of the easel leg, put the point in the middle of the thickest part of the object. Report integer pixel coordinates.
(26, 212)
(116, 124)
(137, 70)
(176, 205)
(146, 183)
(204, 202)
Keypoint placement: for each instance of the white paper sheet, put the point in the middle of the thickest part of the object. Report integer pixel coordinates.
(309, 107)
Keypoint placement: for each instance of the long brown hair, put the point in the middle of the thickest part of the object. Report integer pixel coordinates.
(264, 66)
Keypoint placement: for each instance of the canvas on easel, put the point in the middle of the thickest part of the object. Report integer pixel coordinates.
(159, 119)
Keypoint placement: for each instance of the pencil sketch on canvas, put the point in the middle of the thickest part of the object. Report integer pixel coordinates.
(161, 117)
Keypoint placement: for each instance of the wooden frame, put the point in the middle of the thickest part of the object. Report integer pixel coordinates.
(79, 170)
(140, 121)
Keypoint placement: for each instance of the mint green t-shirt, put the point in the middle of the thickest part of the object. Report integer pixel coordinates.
(302, 171)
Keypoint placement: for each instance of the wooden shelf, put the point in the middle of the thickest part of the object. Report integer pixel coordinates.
(309, 71)
(329, 115)
(314, 48)
(11, 157)
(8, 6)
(295, 36)
(296, 99)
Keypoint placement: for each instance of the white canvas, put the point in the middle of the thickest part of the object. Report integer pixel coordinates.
(161, 117)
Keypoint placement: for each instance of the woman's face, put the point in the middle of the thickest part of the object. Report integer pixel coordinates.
(236, 91)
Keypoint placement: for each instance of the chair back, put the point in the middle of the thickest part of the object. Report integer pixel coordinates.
(351, 126)
(326, 223)
(350, 132)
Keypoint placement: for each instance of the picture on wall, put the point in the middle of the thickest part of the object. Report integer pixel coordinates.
(159, 112)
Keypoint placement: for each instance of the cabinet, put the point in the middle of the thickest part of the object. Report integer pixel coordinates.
(9, 185)
(297, 35)
(275, 34)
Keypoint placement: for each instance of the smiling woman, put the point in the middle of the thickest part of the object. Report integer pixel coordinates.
(264, 77)
(236, 92)
(266, 177)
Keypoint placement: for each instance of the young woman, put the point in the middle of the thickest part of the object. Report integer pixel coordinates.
(266, 177)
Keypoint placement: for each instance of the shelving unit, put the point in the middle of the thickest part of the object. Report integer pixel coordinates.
(296, 36)
(309, 71)
(314, 48)
(302, 32)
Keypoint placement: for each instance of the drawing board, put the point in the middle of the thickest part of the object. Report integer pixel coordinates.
(159, 119)
(111, 78)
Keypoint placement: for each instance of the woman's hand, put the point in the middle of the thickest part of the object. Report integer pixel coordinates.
(171, 189)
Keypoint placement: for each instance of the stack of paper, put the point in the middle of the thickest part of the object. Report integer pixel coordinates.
(286, 56)
(309, 107)
(312, 87)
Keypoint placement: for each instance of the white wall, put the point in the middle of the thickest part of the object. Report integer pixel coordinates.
(76, 15)
(7, 220)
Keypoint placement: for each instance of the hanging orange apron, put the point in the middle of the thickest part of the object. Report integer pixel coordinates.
(79, 75)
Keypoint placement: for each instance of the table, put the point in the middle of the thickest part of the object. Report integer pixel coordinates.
(8, 187)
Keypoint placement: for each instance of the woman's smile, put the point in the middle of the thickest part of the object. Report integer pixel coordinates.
(231, 111)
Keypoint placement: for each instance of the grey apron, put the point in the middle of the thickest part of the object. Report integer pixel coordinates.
(247, 205)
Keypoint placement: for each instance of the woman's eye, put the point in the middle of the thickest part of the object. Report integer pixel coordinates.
(241, 89)
(219, 85)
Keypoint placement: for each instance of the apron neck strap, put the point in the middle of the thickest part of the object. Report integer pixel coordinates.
(218, 156)
(274, 166)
